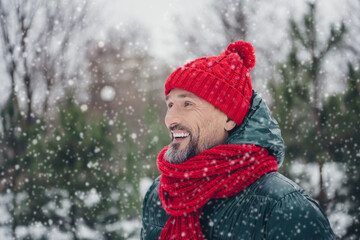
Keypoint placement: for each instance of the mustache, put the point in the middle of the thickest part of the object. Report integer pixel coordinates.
(179, 127)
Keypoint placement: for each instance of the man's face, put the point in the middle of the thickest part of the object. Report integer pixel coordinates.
(194, 124)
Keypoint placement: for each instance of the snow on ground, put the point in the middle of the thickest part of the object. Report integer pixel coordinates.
(145, 183)
(334, 176)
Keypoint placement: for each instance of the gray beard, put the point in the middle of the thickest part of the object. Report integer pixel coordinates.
(174, 156)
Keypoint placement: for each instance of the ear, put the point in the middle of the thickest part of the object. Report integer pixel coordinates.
(229, 125)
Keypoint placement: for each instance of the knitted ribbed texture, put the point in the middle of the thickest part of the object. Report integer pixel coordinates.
(222, 171)
(223, 81)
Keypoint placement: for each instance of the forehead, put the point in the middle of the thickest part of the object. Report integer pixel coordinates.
(180, 93)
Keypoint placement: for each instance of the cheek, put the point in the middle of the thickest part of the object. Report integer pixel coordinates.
(208, 126)
(210, 129)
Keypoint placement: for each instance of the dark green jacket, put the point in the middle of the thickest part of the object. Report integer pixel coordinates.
(273, 207)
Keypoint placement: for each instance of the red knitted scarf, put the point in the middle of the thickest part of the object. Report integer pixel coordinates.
(222, 171)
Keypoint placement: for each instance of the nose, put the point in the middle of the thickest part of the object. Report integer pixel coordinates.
(172, 117)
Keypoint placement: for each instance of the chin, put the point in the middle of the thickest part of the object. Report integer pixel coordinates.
(175, 155)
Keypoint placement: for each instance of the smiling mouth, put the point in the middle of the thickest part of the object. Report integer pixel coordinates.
(178, 137)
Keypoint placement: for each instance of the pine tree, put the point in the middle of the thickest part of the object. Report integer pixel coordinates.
(16, 134)
(341, 118)
(319, 129)
(74, 182)
(298, 98)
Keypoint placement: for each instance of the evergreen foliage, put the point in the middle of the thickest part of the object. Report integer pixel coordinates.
(319, 129)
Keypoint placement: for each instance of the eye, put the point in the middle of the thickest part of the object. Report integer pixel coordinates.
(170, 105)
(187, 104)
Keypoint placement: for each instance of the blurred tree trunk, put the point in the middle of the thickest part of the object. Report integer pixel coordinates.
(234, 19)
(12, 117)
(27, 43)
(232, 16)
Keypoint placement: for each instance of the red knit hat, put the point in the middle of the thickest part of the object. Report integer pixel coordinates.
(223, 81)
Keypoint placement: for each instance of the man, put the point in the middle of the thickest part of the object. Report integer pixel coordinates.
(219, 174)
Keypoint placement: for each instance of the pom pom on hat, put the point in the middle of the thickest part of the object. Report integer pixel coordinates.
(224, 81)
(245, 50)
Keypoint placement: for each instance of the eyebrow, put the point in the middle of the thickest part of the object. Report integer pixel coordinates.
(184, 95)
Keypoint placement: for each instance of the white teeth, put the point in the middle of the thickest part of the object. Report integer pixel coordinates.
(176, 135)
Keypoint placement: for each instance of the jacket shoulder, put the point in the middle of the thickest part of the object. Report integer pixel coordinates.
(274, 186)
(154, 216)
(292, 214)
(273, 207)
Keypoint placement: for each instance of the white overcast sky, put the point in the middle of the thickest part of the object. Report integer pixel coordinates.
(157, 17)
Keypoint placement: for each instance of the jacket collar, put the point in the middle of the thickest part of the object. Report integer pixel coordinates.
(259, 128)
